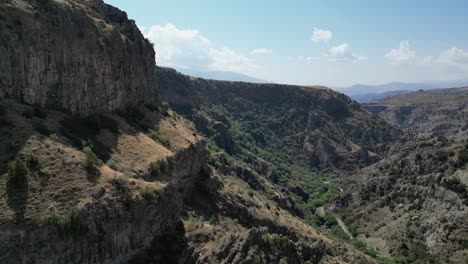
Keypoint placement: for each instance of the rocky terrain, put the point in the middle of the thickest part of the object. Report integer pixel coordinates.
(79, 56)
(106, 158)
(96, 169)
(414, 202)
(313, 127)
(440, 112)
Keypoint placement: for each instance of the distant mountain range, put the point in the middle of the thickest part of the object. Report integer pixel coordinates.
(368, 93)
(222, 76)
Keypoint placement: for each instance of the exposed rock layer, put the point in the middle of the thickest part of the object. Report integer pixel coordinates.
(79, 56)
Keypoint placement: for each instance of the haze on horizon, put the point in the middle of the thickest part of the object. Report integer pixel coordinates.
(333, 43)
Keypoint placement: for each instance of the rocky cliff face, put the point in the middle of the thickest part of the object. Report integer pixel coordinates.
(79, 56)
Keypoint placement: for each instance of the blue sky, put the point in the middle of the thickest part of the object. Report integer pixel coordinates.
(361, 41)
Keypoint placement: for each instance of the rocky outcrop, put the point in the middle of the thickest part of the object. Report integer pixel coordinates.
(115, 228)
(258, 246)
(78, 56)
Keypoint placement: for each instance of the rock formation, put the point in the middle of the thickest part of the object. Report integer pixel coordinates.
(78, 56)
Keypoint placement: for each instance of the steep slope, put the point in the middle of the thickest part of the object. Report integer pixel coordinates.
(439, 112)
(313, 127)
(79, 56)
(414, 203)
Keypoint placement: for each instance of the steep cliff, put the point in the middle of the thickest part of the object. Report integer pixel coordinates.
(79, 56)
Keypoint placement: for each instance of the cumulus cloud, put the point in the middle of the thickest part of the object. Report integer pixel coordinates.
(188, 48)
(401, 55)
(343, 53)
(261, 51)
(454, 57)
(321, 35)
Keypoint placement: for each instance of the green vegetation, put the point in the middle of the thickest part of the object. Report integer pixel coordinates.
(68, 223)
(42, 128)
(33, 162)
(416, 253)
(165, 107)
(18, 172)
(91, 162)
(159, 137)
(148, 192)
(457, 186)
(157, 167)
(113, 165)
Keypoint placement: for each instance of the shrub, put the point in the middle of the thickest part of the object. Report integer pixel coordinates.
(156, 167)
(91, 160)
(113, 165)
(39, 112)
(148, 192)
(68, 223)
(159, 137)
(165, 107)
(42, 128)
(18, 172)
(33, 162)
(120, 180)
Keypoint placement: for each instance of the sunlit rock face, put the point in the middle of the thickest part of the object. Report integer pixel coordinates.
(77, 56)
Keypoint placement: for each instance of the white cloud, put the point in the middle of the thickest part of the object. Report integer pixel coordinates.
(401, 55)
(454, 57)
(321, 35)
(343, 53)
(261, 51)
(188, 48)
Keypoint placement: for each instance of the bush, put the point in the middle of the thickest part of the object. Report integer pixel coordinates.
(156, 167)
(42, 128)
(113, 165)
(148, 192)
(159, 137)
(68, 224)
(18, 172)
(33, 162)
(165, 107)
(91, 160)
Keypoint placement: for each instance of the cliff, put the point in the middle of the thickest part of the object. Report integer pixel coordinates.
(78, 56)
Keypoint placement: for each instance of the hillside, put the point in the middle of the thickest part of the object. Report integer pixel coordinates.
(313, 127)
(414, 202)
(439, 112)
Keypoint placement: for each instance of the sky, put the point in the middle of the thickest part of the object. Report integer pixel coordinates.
(332, 43)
